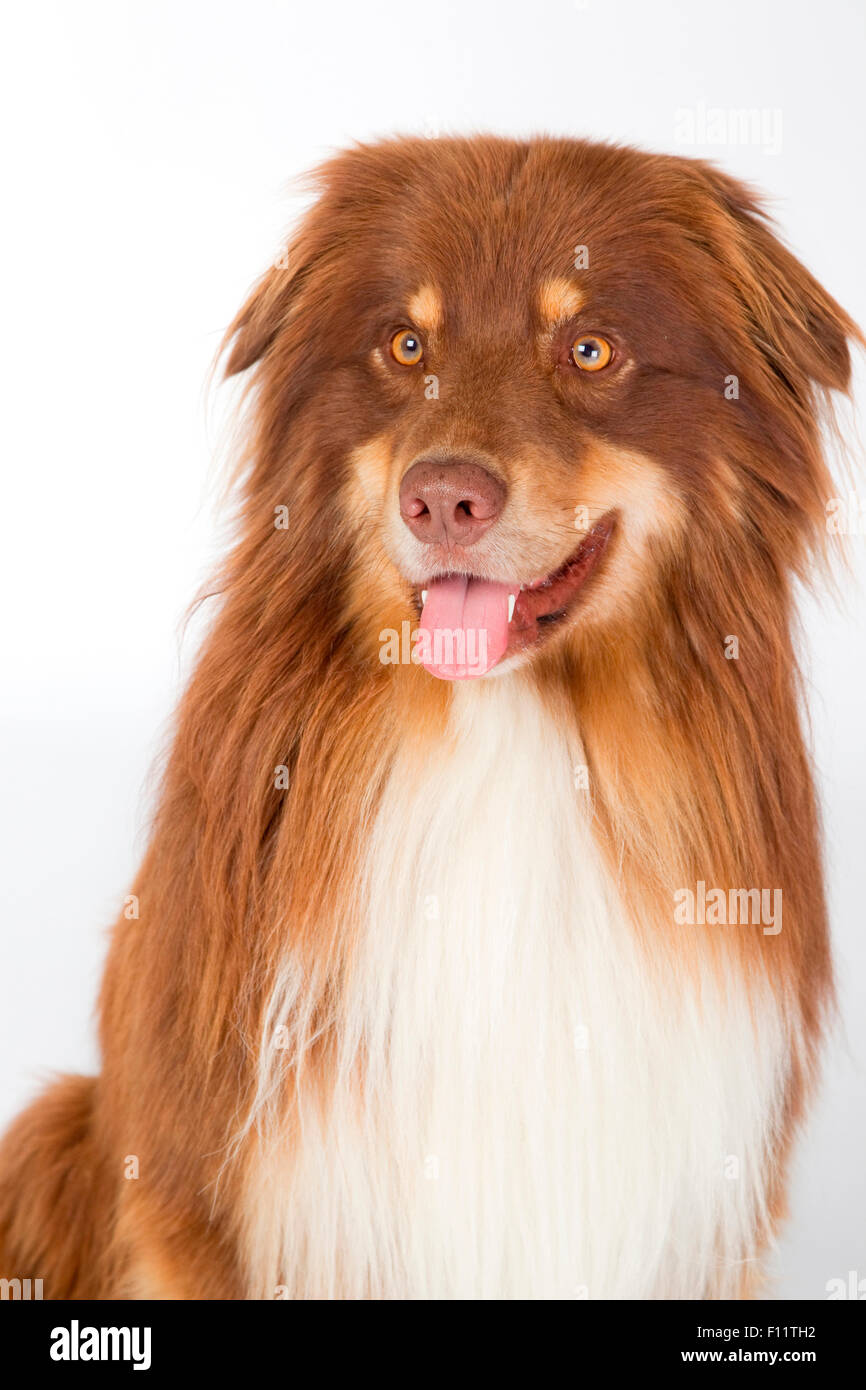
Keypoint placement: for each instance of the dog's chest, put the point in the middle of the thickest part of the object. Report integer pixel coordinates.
(522, 1107)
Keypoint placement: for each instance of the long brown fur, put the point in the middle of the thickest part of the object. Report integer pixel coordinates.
(697, 762)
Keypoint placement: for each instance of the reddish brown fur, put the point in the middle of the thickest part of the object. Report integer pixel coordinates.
(698, 763)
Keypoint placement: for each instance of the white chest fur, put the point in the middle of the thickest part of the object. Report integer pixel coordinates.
(523, 1109)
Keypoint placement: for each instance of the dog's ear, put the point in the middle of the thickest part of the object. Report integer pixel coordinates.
(344, 191)
(801, 329)
(270, 303)
(256, 325)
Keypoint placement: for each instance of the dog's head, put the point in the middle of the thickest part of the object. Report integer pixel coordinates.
(519, 387)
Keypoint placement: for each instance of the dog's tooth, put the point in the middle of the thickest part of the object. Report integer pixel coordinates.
(423, 595)
(512, 599)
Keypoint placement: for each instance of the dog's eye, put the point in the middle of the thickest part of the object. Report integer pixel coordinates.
(406, 348)
(591, 353)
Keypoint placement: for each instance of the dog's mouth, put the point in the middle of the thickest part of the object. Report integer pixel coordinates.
(468, 625)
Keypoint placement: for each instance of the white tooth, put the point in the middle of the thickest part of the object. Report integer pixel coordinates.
(512, 599)
(423, 595)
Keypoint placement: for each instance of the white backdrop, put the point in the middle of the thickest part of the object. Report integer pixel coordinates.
(147, 153)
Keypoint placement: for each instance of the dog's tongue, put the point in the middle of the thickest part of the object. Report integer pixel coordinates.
(464, 627)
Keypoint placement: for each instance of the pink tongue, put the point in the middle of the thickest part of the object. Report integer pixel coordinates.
(464, 627)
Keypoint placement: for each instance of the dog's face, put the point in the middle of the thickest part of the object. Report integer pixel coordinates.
(540, 375)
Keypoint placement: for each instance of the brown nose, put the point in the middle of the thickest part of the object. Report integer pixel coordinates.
(450, 501)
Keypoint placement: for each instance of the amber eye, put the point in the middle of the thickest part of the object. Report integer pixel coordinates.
(406, 348)
(591, 353)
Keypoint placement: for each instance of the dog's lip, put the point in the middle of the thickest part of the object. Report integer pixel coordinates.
(545, 603)
(542, 604)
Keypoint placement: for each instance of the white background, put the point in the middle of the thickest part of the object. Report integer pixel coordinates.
(148, 149)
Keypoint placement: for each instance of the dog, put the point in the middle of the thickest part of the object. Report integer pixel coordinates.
(480, 948)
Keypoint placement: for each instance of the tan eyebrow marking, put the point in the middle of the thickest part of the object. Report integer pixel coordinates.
(560, 299)
(425, 308)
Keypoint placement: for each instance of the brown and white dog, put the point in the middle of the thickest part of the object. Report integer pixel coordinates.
(455, 974)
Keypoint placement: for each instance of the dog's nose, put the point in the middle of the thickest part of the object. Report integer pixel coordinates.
(450, 501)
